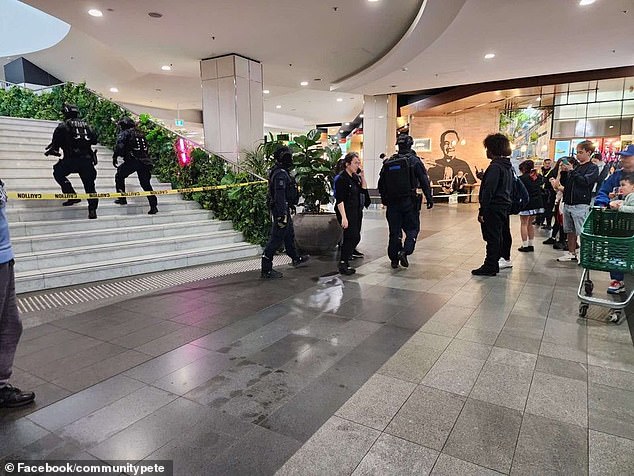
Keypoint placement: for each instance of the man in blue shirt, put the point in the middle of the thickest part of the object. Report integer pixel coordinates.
(10, 324)
(605, 195)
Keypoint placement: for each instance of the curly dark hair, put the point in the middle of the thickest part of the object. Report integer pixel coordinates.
(497, 145)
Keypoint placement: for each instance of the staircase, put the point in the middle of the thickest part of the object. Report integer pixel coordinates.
(58, 246)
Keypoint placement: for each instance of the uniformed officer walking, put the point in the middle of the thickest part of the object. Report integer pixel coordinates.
(283, 195)
(400, 177)
(75, 138)
(133, 147)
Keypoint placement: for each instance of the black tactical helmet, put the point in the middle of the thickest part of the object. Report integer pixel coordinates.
(70, 111)
(125, 123)
(404, 141)
(283, 156)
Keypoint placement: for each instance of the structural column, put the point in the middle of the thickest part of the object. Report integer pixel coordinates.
(233, 108)
(379, 133)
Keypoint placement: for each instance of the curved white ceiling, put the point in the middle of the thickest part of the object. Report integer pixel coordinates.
(43, 29)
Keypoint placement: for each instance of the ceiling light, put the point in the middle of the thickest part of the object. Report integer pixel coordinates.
(339, 99)
(373, 1)
(611, 127)
(93, 12)
(381, 117)
(166, 67)
(538, 98)
(583, 3)
(361, 116)
(340, 131)
(489, 56)
(114, 90)
(304, 83)
(265, 91)
(278, 106)
(347, 123)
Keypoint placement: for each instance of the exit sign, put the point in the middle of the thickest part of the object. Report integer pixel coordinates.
(179, 122)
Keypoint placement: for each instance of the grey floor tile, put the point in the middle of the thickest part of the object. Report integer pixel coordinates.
(100, 425)
(485, 434)
(503, 385)
(83, 403)
(317, 359)
(481, 336)
(323, 327)
(468, 349)
(172, 340)
(611, 410)
(377, 401)
(50, 447)
(547, 446)
(87, 376)
(449, 466)
(150, 433)
(427, 417)
(16, 434)
(513, 358)
(610, 454)
(454, 373)
(194, 374)
(564, 352)
(150, 333)
(167, 363)
(611, 355)
(45, 395)
(412, 361)
(279, 353)
(559, 398)
(337, 448)
(518, 341)
(391, 455)
(611, 378)
(562, 368)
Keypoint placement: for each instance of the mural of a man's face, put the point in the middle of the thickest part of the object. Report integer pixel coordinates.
(448, 144)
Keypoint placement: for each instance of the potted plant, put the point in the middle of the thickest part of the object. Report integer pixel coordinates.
(316, 231)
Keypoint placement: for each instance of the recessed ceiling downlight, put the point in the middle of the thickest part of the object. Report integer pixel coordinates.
(93, 12)
(166, 67)
(489, 56)
(583, 3)
(114, 90)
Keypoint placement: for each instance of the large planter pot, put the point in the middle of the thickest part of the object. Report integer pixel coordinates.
(317, 233)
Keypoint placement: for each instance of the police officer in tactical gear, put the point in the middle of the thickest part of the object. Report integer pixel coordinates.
(133, 147)
(400, 177)
(283, 196)
(75, 138)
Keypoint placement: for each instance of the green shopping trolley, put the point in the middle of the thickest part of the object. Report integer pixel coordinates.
(607, 244)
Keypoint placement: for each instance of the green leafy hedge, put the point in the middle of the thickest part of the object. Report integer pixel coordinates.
(244, 206)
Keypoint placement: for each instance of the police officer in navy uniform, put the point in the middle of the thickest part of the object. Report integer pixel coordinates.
(133, 147)
(75, 138)
(283, 196)
(398, 188)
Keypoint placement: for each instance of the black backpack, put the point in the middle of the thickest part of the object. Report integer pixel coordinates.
(397, 175)
(292, 194)
(81, 137)
(139, 148)
(519, 196)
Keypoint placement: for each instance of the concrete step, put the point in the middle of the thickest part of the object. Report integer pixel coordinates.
(138, 207)
(7, 120)
(34, 228)
(14, 145)
(19, 135)
(45, 164)
(54, 258)
(102, 184)
(54, 241)
(96, 271)
(45, 169)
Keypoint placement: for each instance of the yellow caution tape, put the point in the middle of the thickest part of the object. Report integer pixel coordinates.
(67, 196)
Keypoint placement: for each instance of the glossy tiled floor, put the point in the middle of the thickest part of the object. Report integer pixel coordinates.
(412, 371)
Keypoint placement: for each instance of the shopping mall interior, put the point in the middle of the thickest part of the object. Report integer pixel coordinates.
(153, 339)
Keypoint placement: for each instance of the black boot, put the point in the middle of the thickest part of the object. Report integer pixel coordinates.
(153, 211)
(483, 271)
(12, 397)
(346, 269)
(70, 202)
(394, 263)
(272, 274)
(121, 201)
(402, 258)
(92, 214)
(300, 260)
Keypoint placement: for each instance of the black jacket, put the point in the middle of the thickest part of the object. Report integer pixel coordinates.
(63, 139)
(283, 192)
(496, 185)
(578, 184)
(132, 145)
(420, 178)
(534, 189)
(349, 192)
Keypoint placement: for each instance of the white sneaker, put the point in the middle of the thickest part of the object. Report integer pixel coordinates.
(503, 264)
(567, 256)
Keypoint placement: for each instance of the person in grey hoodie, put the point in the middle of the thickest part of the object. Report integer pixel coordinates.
(10, 324)
(495, 204)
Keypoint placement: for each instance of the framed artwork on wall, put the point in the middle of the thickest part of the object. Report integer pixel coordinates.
(422, 145)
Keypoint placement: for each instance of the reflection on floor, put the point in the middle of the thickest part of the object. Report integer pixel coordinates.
(406, 371)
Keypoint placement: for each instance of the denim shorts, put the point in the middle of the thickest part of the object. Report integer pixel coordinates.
(574, 216)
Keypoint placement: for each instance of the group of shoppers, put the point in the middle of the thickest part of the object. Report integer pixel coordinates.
(75, 138)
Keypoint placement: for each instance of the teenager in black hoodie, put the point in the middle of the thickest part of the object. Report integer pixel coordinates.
(495, 203)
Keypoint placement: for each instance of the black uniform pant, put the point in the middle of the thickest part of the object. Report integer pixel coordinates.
(144, 172)
(278, 236)
(351, 236)
(402, 217)
(496, 232)
(549, 207)
(86, 170)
